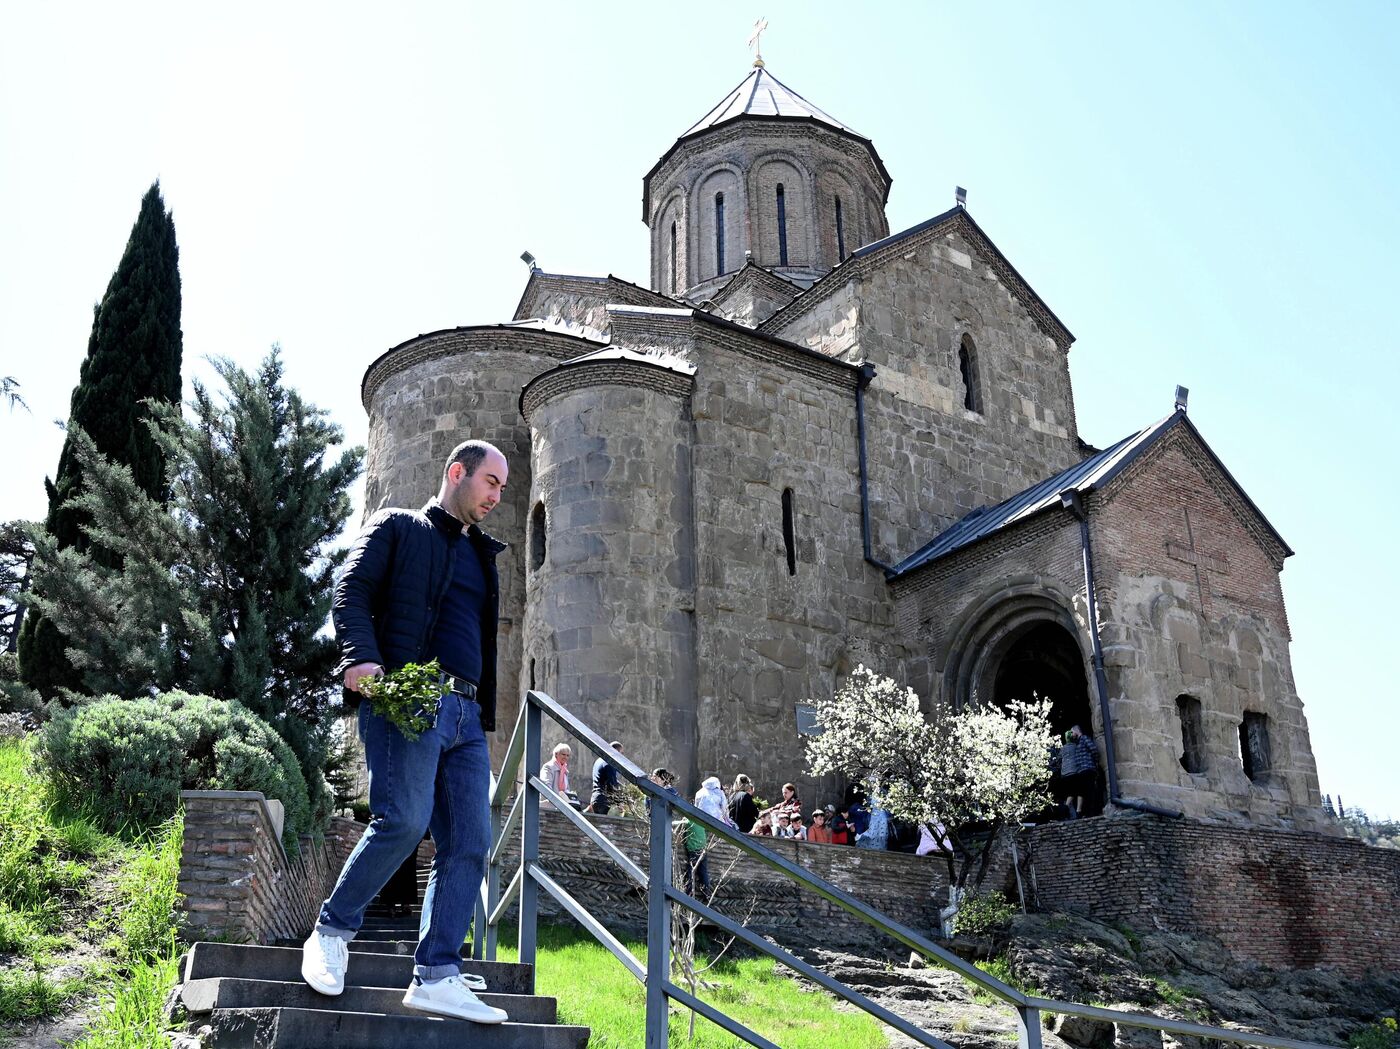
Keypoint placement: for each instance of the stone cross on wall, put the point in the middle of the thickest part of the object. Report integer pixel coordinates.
(758, 28)
(1201, 562)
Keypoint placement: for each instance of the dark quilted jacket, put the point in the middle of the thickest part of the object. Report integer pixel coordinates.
(395, 578)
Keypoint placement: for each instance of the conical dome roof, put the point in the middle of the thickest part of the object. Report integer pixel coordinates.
(761, 94)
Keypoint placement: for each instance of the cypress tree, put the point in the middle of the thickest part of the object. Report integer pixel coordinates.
(133, 354)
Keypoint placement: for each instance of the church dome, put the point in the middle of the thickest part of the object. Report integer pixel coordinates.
(761, 94)
(764, 176)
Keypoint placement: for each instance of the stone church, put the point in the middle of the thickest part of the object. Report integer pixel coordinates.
(808, 444)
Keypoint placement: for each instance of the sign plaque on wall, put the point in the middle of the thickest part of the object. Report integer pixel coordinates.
(807, 723)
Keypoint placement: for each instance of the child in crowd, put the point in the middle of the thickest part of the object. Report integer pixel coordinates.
(819, 831)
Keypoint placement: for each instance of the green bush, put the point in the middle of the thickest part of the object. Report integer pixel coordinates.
(1379, 1035)
(984, 912)
(126, 760)
(15, 697)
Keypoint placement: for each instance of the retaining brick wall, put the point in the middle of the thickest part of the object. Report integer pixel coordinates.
(907, 888)
(236, 881)
(1284, 899)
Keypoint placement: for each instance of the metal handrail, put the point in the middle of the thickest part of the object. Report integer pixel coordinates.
(531, 876)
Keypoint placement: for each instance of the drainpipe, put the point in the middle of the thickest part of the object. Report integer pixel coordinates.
(867, 373)
(1072, 502)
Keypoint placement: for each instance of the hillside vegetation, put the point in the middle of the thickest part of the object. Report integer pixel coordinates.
(87, 934)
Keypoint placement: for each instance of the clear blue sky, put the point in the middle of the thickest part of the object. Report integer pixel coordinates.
(1204, 193)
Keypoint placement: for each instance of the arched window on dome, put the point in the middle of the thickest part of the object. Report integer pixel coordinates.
(967, 365)
(840, 233)
(719, 234)
(782, 227)
(673, 258)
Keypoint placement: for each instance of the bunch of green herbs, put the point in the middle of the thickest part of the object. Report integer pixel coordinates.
(407, 698)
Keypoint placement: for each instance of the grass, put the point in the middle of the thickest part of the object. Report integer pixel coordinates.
(1000, 968)
(594, 990)
(95, 906)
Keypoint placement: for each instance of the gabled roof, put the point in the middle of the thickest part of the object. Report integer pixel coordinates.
(955, 219)
(1088, 475)
(761, 94)
(611, 289)
(752, 274)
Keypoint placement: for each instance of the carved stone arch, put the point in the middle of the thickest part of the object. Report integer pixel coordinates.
(796, 179)
(831, 183)
(717, 178)
(673, 209)
(1011, 623)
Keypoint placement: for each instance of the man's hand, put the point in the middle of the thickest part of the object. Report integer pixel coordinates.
(359, 671)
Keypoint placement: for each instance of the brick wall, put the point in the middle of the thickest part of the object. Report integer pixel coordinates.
(238, 884)
(1283, 899)
(1191, 605)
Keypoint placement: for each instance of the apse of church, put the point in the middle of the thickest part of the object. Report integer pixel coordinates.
(687, 515)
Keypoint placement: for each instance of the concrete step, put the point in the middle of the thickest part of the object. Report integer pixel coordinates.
(314, 1029)
(363, 945)
(206, 995)
(209, 960)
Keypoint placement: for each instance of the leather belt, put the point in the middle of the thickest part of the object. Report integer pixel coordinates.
(460, 685)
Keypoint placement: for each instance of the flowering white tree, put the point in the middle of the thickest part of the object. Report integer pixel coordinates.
(979, 768)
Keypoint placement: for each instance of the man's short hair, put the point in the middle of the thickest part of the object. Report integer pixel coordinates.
(469, 454)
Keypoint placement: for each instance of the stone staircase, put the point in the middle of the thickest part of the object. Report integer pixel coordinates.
(254, 998)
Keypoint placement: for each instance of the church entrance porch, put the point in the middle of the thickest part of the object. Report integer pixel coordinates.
(1026, 648)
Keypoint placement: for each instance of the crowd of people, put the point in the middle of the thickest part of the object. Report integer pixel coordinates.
(855, 821)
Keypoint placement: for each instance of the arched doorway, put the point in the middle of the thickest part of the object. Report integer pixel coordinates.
(1015, 646)
(1044, 660)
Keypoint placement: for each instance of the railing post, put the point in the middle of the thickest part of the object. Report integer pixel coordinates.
(1028, 1019)
(485, 931)
(530, 840)
(658, 925)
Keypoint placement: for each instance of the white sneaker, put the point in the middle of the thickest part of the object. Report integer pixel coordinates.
(323, 962)
(451, 997)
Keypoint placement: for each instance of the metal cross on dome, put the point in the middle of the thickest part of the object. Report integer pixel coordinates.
(758, 28)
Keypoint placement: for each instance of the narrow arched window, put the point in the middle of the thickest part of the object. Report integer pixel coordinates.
(532, 674)
(1193, 734)
(782, 227)
(840, 233)
(719, 234)
(537, 537)
(967, 365)
(1255, 753)
(673, 258)
(789, 532)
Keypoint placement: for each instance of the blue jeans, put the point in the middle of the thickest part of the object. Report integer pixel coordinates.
(438, 782)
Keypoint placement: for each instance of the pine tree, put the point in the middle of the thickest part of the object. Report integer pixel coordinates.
(225, 587)
(134, 354)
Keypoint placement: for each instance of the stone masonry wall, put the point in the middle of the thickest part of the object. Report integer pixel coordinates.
(932, 460)
(1191, 605)
(238, 884)
(769, 639)
(610, 622)
(1283, 899)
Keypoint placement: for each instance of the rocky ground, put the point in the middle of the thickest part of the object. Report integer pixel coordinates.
(1076, 960)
